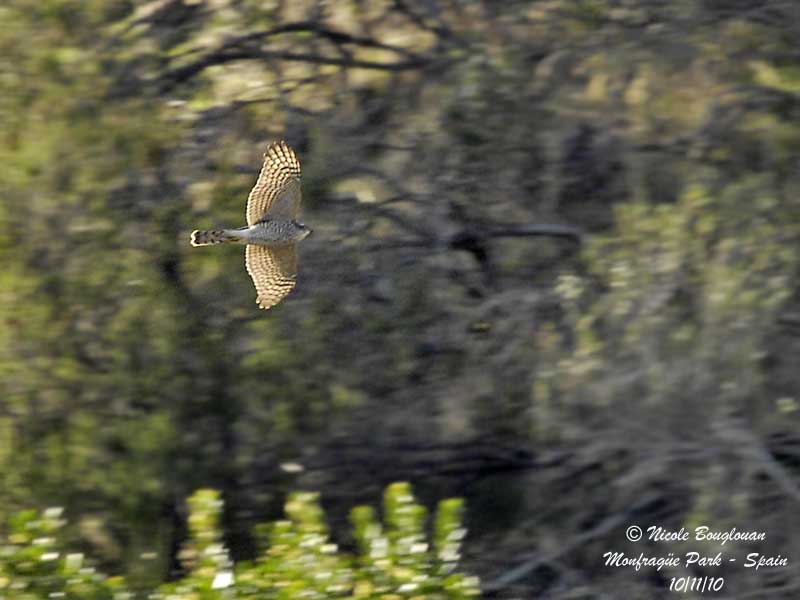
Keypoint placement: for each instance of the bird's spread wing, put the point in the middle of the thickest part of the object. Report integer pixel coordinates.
(277, 191)
(273, 271)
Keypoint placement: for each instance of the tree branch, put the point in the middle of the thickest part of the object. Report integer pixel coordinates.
(242, 48)
(471, 238)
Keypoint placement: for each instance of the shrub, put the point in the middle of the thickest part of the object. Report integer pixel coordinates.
(298, 558)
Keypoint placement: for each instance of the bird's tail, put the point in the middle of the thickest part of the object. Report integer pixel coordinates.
(214, 236)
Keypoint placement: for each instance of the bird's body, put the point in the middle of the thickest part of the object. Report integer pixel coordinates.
(269, 232)
(272, 229)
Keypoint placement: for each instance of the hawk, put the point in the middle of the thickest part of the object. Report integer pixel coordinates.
(273, 228)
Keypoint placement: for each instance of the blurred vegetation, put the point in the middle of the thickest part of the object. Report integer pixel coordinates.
(555, 272)
(299, 560)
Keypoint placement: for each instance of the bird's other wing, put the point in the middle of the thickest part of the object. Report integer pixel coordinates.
(273, 270)
(277, 191)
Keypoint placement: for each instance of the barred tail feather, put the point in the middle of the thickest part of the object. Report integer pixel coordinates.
(214, 236)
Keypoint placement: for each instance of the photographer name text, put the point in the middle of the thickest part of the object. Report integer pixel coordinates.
(704, 534)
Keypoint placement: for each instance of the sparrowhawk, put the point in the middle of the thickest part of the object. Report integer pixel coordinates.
(273, 228)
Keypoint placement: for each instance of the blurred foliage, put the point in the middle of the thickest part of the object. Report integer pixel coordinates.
(298, 560)
(686, 297)
(442, 331)
(35, 564)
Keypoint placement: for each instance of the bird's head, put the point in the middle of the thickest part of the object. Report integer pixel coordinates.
(303, 230)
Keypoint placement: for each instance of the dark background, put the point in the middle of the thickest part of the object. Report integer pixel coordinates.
(554, 271)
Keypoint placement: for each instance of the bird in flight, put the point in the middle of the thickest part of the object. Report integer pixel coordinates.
(273, 228)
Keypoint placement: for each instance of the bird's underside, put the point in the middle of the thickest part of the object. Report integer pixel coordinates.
(273, 229)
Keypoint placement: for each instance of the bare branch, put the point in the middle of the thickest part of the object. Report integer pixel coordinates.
(182, 74)
(535, 560)
(247, 47)
(539, 230)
